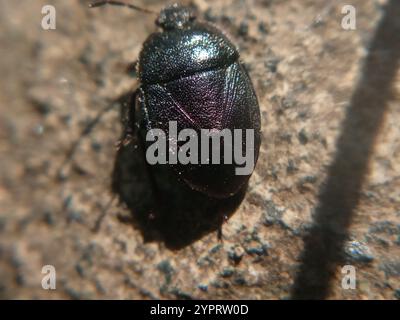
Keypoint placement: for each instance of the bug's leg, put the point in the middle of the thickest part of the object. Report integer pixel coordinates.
(126, 101)
(97, 224)
(219, 233)
(132, 69)
(128, 121)
(119, 3)
(224, 219)
(129, 69)
(142, 122)
(85, 132)
(154, 187)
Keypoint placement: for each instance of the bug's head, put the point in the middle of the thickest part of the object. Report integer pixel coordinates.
(175, 17)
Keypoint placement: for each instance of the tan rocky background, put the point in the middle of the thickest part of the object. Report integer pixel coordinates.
(326, 191)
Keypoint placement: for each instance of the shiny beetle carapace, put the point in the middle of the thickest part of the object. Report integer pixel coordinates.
(190, 73)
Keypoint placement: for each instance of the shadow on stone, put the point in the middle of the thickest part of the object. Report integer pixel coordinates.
(175, 214)
(323, 245)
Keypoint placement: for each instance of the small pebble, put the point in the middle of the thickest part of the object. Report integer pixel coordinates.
(227, 272)
(358, 252)
(243, 29)
(236, 254)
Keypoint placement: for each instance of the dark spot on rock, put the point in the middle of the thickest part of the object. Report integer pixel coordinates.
(48, 218)
(91, 251)
(288, 102)
(20, 279)
(76, 295)
(262, 27)
(80, 270)
(227, 20)
(303, 137)
(99, 287)
(66, 119)
(300, 87)
(220, 284)
(122, 244)
(291, 167)
(215, 248)
(387, 227)
(274, 172)
(74, 216)
(179, 294)
(259, 250)
(391, 268)
(272, 214)
(42, 107)
(318, 22)
(79, 170)
(309, 179)
(236, 254)
(203, 287)
(303, 115)
(305, 182)
(166, 268)
(256, 199)
(247, 66)
(239, 280)
(2, 224)
(272, 64)
(243, 30)
(267, 3)
(227, 272)
(286, 137)
(324, 142)
(24, 222)
(96, 146)
(86, 55)
(208, 16)
(67, 203)
(205, 261)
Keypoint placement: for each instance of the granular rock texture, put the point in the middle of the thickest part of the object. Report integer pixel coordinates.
(325, 193)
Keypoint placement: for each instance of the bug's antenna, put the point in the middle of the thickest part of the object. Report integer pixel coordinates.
(119, 3)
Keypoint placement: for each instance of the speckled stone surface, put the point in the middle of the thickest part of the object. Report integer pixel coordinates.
(326, 191)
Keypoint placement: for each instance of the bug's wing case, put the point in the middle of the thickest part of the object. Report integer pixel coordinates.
(177, 53)
(220, 98)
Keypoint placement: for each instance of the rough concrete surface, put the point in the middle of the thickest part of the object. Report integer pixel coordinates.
(325, 193)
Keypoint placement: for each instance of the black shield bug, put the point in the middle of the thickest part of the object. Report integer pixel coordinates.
(190, 73)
